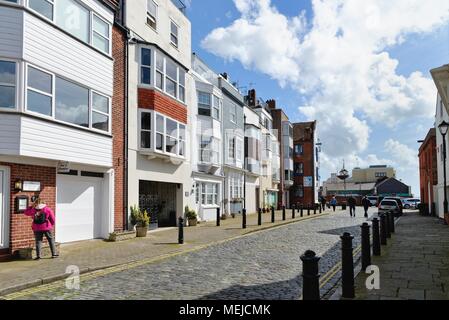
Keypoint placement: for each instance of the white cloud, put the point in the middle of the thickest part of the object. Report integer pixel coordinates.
(402, 154)
(339, 60)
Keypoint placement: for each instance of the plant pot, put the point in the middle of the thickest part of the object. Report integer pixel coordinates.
(193, 222)
(141, 232)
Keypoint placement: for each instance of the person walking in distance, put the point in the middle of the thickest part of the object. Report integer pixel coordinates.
(323, 203)
(366, 204)
(352, 203)
(43, 223)
(333, 203)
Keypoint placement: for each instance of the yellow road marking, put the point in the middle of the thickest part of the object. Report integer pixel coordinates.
(135, 264)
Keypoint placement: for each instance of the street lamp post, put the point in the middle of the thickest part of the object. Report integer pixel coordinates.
(343, 175)
(443, 127)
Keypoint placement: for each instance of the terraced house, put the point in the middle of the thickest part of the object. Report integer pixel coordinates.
(159, 93)
(61, 117)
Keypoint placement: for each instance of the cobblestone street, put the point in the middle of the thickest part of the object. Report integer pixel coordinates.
(262, 265)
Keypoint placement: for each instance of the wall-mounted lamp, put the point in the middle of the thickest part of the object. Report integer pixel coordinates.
(18, 185)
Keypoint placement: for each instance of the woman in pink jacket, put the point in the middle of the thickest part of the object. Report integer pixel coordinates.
(43, 223)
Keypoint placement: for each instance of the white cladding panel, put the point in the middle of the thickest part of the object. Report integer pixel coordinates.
(51, 49)
(11, 30)
(9, 134)
(49, 140)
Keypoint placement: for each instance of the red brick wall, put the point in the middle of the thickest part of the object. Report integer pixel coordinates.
(118, 124)
(154, 100)
(428, 168)
(21, 235)
(309, 171)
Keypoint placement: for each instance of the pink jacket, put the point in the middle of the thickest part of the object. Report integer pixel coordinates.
(42, 227)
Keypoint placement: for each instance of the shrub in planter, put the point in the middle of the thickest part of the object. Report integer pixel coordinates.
(135, 211)
(143, 221)
(191, 217)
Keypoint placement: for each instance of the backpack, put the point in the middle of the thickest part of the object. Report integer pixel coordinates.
(40, 219)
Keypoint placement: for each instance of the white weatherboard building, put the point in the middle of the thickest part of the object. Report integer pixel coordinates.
(56, 84)
(160, 91)
(207, 141)
(252, 160)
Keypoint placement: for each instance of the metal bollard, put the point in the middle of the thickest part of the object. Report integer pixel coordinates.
(388, 222)
(310, 276)
(392, 229)
(366, 246)
(321, 209)
(302, 211)
(293, 211)
(272, 215)
(308, 210)
(181, 231)
(218, 217)
(383, 229)
(243, 218)
(376, 238)
(283, 213)
(347, 266)
(259, 217)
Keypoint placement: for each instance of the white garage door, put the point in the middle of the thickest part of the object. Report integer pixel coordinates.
(78, 208)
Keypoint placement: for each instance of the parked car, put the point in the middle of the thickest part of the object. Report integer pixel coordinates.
(398, 201)
(374, 200)
(411, 203)
(389, 205)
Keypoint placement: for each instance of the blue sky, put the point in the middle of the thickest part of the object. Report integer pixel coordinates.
(419, 51)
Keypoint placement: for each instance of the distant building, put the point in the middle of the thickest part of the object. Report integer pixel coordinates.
(305, 164)
(428, 175)
(392, 187)
(372, 173)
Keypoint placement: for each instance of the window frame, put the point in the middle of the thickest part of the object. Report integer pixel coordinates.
(90, 27)
(53, 97)
(176, 45)
(216, 108)
(92, 31)
(15, 86)
(152, 130)
(149, 15)
(208, 106)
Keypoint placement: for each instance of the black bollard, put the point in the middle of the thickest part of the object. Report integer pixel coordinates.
(383, 229)
(347, 266)
(293, 211)
(244, 219)
(259, 217)
(181, 231)
(376, 238)
(308, 210)
(310, 276)
(392, 229)
(321, 209)
(314, 209)
(388, 222)
(302, 211)
(218, 217)
(272, 215)
(283, 213)
(366, 246)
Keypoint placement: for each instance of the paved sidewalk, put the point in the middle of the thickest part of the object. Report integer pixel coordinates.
(99, 254)
(414, 265)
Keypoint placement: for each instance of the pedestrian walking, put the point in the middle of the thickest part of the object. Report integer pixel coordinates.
(323, 203)
(43, 223)
(352, 203)
(333, 203)
(366, 204)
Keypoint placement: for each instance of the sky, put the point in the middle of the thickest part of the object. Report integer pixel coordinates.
(360, 68)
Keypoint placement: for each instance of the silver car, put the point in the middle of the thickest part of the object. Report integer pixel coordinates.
(411, 203)
(389, 205)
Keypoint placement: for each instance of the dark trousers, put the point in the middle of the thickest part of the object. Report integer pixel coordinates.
(352, 210)
(366, 211)
(333, 207)
(39, 236)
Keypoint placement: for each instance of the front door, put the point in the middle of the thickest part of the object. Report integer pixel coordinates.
(4, 208)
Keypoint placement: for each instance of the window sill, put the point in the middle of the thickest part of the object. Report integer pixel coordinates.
(168, 157)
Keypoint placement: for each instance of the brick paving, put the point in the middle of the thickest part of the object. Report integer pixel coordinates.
(414, 265)
(97, 254)
(262, 265)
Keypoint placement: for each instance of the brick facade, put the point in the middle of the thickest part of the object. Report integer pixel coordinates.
(303, 134)
(118, 125)
(428, 175)
(158, 101)
(21, 235)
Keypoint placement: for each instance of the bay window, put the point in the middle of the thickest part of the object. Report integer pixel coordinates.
(7, 84)
(162, 134)
(52, 96)
(209, 147)
(164, 74)
(207, 193)
(76, 19)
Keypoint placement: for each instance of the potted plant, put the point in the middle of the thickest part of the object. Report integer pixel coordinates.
(142, 224)
(134, 210)
(191, 217)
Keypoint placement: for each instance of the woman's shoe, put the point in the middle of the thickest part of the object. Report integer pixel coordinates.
(55, 256)
(37, 258)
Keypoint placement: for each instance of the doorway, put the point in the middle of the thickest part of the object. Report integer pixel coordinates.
(159, 200)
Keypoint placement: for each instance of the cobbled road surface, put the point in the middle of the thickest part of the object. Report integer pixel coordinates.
(262, 265)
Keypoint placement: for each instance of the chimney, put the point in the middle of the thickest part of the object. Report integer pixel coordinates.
(271, 103)
(224, 75)
(252, 98)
